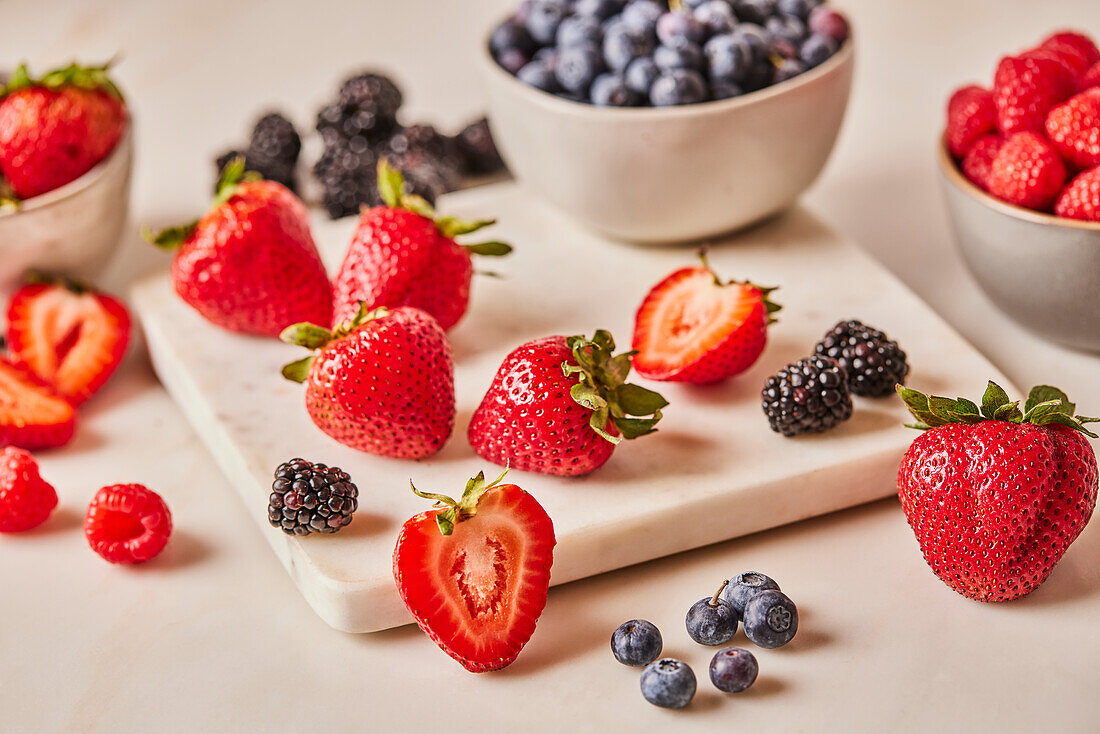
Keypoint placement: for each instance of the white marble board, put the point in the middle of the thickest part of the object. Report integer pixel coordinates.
(713, 471)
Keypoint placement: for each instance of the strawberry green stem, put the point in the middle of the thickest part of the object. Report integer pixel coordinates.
(73, 75)
(315, 338)
(465, 507)
(232, 175)
(765, 292)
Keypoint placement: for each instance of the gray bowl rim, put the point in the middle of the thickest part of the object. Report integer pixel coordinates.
(646, 114)
(955, 177)
(77, 185)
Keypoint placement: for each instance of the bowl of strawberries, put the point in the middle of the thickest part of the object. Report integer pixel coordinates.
(1020, 166)
(65, 161)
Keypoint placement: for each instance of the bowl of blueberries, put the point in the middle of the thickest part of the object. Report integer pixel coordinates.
(668, 120)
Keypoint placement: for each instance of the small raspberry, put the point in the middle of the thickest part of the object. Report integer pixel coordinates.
(1027, 172)
(1074, 129)
(979, 160)
(127, 523)
(1025, 87)
(25, 500)
(1081, 198)
(971, 113)
(1081, 44)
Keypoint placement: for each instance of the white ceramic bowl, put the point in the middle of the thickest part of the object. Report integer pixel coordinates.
(72, 230)
(671, 174)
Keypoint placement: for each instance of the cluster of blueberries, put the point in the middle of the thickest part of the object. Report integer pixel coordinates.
(770, 619)
(629, 53)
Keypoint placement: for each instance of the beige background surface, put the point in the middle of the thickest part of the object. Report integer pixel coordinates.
(213, 637)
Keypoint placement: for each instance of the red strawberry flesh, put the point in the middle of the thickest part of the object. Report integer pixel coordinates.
(32, 416)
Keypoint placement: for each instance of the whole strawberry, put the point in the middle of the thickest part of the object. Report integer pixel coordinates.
(996, 494)
(55, 129)
(1081, 198)
(559, 405)
(1074, 129)
(971, 113)
(403, 254)
(977, 164)
(250, 264)
(382, 382)
(1025, 87)
(474, 573)
(1027, 172)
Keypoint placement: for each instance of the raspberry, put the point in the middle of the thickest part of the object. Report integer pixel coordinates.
(1078, 42)
(1074, 129)
(809, 396)
(25, 500)
(127, 523)
(971, 113)
(1027, 172)
(1081, 199)
(1025, 87)
(978, 161)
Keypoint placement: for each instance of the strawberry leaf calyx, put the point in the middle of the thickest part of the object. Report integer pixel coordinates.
(232, 175)
(602, 388)
(314, 338)
(73, 75)
(452, 511)
(391, 187)
(76, 287)
(1044, 405)
(765, 292)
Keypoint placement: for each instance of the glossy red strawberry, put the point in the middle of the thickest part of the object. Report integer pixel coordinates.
(26, 501)
(978, 162)
(971, 113)
(1025, 87)
(32, 415)
(68, 335)
(693, 327)
(1081, 198)
(560, 405)
(403, 254)
(996, 495)
(1027, 172)
(475, 573)
(55, 129)
(250, 264)
(1074, 129)
(381, 382)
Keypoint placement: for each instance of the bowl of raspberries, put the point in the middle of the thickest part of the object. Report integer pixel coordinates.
(668, 120)
(1020, 164)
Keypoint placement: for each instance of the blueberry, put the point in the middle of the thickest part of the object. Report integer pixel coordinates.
(640, 75)
(540, 76)
(547, 56)
(637, 643)
(754, 11)
(716, 16)
(729, 57)
(599, 9)
(678, 24)
(622, 45)
(788, 69)
(828, 22)
(787, 28)
(771, 619)
(676, 87)
(668, 683)
(512, 59)
(721, 89)
(693, 4)
(761, 74)
(641, 16)
(543, 20)
(609, 90)
(784, 49)
(678, 55)
(797, 8)
(579, 29)
(511, 34)
(758, 39)
(577, 67)
(711, 620)
(744, 586)
(817, 49)
(733, 669)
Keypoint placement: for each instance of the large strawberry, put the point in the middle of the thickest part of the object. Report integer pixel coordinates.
(70, 336)
(560, 405)
(250, 264)
(475, 572)
(996, 494)
(1025, 87)
(403, 254)
(382, 382)
(694, 327)
(32, 415)
(54, 129)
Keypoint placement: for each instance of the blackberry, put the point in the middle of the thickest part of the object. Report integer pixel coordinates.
(311, 498)
(274, 138)
(873, 363)
(348, 177)
(429, 154)
(479, 152)
(366, 107)
(808, 396)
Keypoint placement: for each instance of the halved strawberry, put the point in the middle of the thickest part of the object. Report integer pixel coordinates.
(32, 416)
(71, 337)
(692, 327)
(475, 573)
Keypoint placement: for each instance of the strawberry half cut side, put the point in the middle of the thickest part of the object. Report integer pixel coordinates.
(68, 335)
(475, 572)
(32, 416)
(694, 327)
